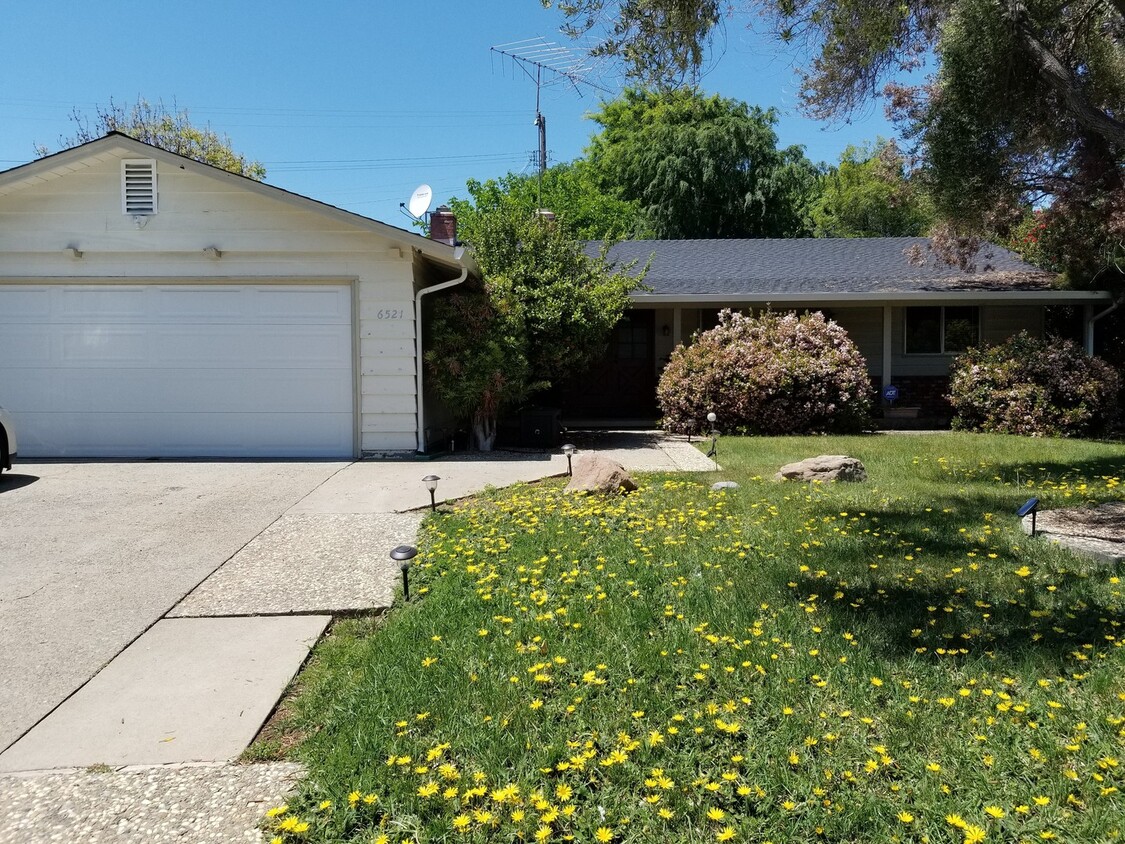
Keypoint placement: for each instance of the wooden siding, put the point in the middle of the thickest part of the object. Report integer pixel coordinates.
(261, 240)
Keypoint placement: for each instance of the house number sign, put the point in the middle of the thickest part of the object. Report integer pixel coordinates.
(390, 313)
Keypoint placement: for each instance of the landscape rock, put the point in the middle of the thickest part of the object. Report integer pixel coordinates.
(594, 473)
(724, 485)
(824, 467)
(1097, 532)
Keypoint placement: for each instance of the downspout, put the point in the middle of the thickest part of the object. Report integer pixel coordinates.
(419, 398)
(1090, 325)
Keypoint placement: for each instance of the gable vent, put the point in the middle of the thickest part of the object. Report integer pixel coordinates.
(138, 186)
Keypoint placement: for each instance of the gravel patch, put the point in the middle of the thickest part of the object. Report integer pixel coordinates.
(201, 805)
(308, 563)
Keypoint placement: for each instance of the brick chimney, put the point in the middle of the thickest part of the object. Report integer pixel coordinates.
(443, 226)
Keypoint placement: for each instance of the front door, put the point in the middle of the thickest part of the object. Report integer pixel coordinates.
(622, 385)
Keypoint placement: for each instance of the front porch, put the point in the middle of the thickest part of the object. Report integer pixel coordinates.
(908, 343)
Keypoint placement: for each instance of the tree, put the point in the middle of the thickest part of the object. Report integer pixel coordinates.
(1023, 107)
(545, 307)
(870, 194)
(568, 190)
(701, 166)
(169, 130)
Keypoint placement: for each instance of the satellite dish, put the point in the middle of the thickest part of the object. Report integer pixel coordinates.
(420, 201)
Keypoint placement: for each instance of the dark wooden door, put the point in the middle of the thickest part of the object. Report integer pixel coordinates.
(622, 385)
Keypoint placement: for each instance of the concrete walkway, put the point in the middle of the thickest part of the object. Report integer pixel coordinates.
(198, 685)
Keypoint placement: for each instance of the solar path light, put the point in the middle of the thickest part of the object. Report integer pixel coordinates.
(712, 418)
(402, 555)
(431, 484)
(568, 449)
(1030, 506)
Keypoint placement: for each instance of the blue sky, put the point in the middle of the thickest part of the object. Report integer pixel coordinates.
(351, 103)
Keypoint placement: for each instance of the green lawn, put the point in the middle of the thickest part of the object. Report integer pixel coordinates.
(886, 661)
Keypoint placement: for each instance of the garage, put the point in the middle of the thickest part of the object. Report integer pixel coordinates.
(152, 305)
(179, 369)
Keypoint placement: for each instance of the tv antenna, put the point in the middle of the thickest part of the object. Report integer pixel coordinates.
(547, 63)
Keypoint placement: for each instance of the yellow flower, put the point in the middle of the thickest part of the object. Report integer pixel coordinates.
(973, 834)
(955, 820)
(906, 817)
(725, 834)
(604, 834)
(461, 823)
(715, 814)
(277, 810)
(563, 791)
(994, 811)
(875, 681)
(543, 833)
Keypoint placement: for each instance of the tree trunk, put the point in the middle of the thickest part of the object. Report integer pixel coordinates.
(1063, 81)
(484, 431)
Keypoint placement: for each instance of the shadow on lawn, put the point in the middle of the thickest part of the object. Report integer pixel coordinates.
(902, 619)
(1018, 474)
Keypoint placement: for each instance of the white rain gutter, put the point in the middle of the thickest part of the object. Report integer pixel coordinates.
(419, 399)
(1090, 325)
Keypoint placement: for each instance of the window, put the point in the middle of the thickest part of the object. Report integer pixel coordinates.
(940, 330)
(138, 186)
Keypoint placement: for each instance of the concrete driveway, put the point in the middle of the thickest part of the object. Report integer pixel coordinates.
(92, 554)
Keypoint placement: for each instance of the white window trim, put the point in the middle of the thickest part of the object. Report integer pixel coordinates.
(134, 162)
(943, 353)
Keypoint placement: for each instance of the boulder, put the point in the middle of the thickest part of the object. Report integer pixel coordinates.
(1097, 532)
(594, 473)
(719, 485)
(825, 467)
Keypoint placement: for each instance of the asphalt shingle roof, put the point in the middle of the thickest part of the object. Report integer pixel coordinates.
(776, 267)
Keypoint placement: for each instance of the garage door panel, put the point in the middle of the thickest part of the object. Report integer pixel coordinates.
(286, 304)
(21, 305)
(94, 303)
(214, 304)
(23, 345)
(319, 346)
(97, 345)
(179, 371)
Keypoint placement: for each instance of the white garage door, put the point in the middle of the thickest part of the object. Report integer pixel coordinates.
(178, 370)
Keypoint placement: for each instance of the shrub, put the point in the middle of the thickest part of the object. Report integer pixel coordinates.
(767, 374)
(1033, 387)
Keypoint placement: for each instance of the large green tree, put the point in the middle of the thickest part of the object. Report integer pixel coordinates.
(871, 194)
(168, 129)
(567, 190)
(1023, 103)
(701, 166)
(545, 309)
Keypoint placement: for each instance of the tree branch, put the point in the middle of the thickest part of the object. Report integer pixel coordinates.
(1062, 81)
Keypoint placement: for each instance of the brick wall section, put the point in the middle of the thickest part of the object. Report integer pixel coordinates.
(927, 392)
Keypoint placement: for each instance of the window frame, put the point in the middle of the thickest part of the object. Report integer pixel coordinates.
(943, 352)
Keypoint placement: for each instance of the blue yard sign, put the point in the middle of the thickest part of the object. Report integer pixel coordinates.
(890, 392)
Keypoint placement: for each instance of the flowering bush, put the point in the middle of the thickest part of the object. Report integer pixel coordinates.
(1033, 387)
(767, 374)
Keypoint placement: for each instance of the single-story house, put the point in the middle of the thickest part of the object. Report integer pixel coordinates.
(154, 306)
(151, 305)
(908, 319)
